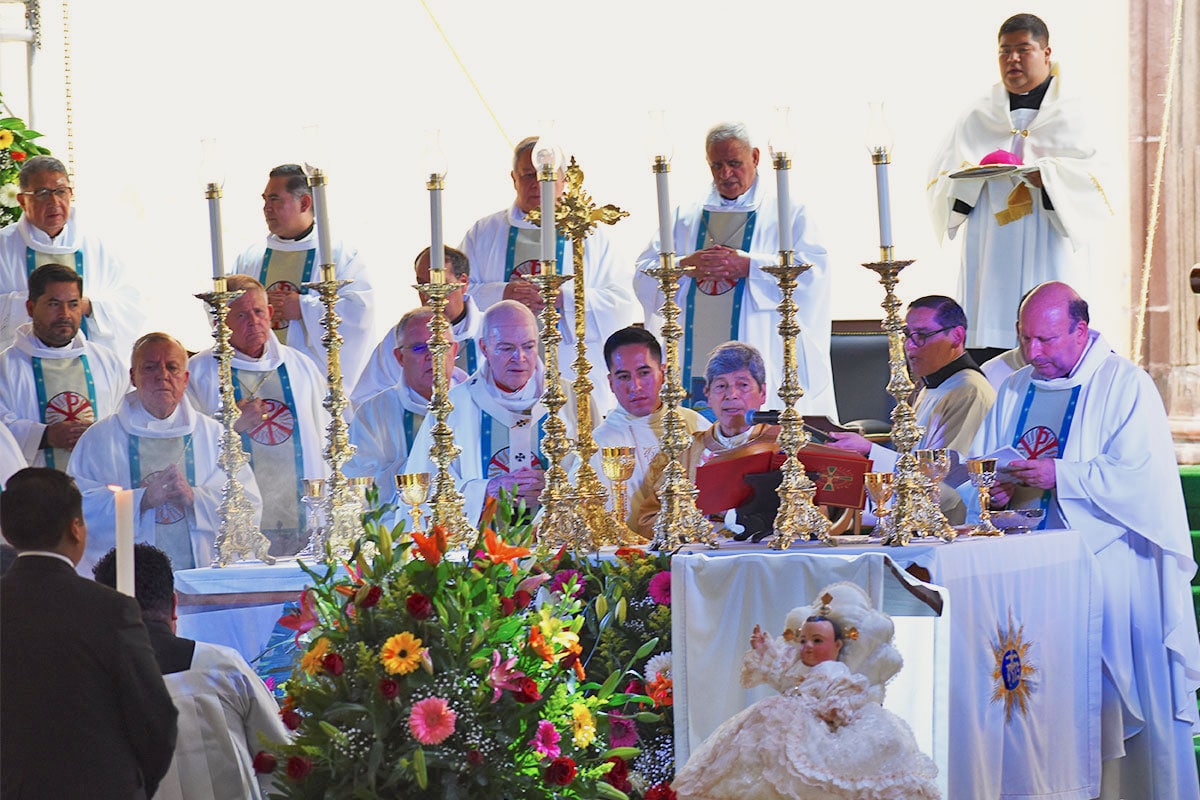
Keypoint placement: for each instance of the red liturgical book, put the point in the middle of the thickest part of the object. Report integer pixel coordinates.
(839, 478)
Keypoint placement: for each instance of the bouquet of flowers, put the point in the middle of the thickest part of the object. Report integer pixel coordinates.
(630, 599)
(428, 676)
(16, 145)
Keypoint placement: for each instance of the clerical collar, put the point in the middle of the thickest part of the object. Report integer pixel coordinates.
(1032, 98)
(730, 442)
(307, 232)
(938, 377)
(461, 316)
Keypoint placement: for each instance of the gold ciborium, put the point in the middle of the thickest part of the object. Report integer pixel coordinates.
(983, 478)
(618, 464)
(881, 486)
(414, 490)
(935, 466)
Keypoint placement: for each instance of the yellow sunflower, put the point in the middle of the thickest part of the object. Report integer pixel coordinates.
(401, 654)
(584, 724)
(311, 662)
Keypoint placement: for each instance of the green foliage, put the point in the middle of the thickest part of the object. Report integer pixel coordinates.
(16, 145)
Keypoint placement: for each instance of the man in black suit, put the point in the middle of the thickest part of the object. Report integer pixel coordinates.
(84, 712)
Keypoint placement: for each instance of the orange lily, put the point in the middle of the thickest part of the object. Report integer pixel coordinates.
(539, 645)
(490, 505)
(499, 552)
(431, 545)
(304, 620)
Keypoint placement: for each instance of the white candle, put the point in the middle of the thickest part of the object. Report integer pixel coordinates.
(783, 190)
(547, 218)
(437, 245)
(123, 499)
(213, 194)
(666, 228)
(885, 206)
(321, 210)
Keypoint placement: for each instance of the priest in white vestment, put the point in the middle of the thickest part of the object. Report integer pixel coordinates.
(728, 238)
(226, 714)
(11, 457)
(163, 450)
(635, 375)
(1030, 225)
(280, 393)
(1100, 460)
(505, 246)
(954, 394)
(383, 370)
(55, 382)
(498, 418)
(387, 423)
(49, 233)
(288, 259)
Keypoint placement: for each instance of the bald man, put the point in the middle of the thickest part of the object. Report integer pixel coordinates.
(1100, 461)
(159, 446)
(498, 417)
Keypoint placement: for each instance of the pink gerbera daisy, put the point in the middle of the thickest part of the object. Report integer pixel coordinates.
(660, 588)
(431, 720)
(545, 741)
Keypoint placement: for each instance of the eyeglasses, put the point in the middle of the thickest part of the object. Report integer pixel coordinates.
(418, 349)
(919, 338)
(42, 195)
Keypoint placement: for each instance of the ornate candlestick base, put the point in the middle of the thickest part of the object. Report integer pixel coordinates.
(446, 509)
(678, 521)
(343, 507)
(907, 512)
(238, 536)
(797, 516)
(562, 521)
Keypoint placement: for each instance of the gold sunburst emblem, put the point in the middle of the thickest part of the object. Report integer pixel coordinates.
(1014, 672)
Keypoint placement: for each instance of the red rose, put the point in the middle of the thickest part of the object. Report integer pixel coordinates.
(522, 598)
(291, 719)
(618, 776)
(660, 791)
(419, 606)
(528, 691)
(475, 758)
(389, 688)
(333, 664)
(507, 606)
(17, 155)
(560, 772)
(264, 762)
(298, 767)
(371, 597)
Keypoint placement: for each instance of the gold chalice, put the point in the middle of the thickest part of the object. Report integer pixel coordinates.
(360, 485)
(314, 515)
(414, 489)
(618, 464)
(983, 478)
(881, 486)
(935, 466)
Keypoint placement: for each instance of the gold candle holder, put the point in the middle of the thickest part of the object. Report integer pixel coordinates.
(798, 516)
(413, 488)
(881, 486)
(935, 466)
(314, 505)
(447, 507)
(906, 433)
(578, 215)
(983, 476)
(238, 536)
(561, 521)
(678, 521)
(618, 464)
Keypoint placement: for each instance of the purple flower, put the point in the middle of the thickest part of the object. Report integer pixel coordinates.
(562, 578)
(503, 676)
(621, 732)
(660, 588)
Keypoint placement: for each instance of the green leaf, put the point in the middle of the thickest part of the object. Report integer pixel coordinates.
(607, 790)
(609, 686)
(620, 752)
(418, 758)
(646, 716)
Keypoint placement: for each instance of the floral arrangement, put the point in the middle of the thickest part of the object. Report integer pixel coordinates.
(428, 676)
(630, 603)
(16, 145)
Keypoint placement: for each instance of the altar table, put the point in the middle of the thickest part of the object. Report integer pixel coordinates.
(994, 731)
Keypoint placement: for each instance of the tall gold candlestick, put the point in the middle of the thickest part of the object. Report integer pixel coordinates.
(798, 516)
(237, 535)
(906, 433)
(578, 215)
(678, 521)
(446, 504)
